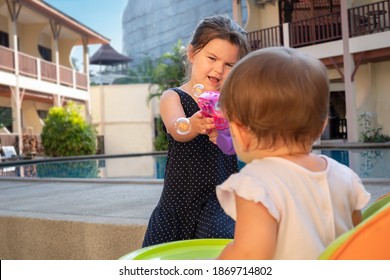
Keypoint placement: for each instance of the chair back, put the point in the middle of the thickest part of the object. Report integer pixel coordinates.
(194, 249)
(367, 241)
(378, 204)
(9, 151)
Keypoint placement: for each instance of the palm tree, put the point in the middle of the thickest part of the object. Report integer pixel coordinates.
(168, 73)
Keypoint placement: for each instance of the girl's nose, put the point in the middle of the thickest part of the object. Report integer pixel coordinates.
(219, 68)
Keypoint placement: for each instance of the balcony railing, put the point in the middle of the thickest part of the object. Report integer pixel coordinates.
(36, 68)
(264, 38)
(6, 59)
(66, 75)
(315, 30)
(365, 19)
(369, 18)
(28, 65)
(48, 71)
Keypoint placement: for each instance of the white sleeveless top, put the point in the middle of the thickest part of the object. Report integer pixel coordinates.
(312, 208)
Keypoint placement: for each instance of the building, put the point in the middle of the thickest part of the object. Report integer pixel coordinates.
(151, 28)
(352, 38)
(36, 71)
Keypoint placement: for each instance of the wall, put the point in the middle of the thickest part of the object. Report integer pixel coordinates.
(3, 24)
(265, 16)
(65, 49)
(29, 38)
(122, 114)
(30, 115)
(382, 83)
(45, 239)
(372, 93)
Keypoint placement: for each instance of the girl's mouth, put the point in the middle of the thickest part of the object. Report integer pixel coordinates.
(213, 80)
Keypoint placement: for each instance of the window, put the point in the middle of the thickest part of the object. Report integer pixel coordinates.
(6, 118)
(42, 114)
(44, 52)
(4, 40)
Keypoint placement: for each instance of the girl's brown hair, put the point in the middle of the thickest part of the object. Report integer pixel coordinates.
(280, 94)
(218, 27)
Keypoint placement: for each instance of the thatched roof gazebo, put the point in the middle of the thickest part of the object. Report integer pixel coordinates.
(107, 55)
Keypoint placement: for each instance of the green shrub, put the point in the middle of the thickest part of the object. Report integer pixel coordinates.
(161, 140)
(66, 133)
(374, 136)
(5, 117)
(371, 134)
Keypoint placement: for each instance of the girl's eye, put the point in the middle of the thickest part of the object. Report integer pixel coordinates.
(212, 58)
(230, 65)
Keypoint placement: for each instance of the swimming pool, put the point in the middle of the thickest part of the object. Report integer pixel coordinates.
(142, 166)
(367, 163)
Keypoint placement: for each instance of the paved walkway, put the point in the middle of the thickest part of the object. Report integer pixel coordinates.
(97, 201)
(82, 219)
(71, 220)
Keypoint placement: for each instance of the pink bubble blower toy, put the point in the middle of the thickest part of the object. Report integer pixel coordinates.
(208, 102)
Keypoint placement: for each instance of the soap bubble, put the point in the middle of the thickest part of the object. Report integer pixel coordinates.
(183, 126)
(198, 89)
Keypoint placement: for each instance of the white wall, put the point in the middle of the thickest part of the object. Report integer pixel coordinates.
(125, 118)
(382, 85)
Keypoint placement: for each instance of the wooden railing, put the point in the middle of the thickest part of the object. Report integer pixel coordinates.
(374, 17)
(365, 19)
(81, 81)
(6, 59)
(269, 37)
(40, 69)
(48, 71)
(66, 76)
(28, 65)
(315, 30)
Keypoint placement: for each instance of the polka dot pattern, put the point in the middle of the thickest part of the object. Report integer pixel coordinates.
(188, 207)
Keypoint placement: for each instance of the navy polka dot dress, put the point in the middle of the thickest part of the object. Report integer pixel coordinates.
(188, 207)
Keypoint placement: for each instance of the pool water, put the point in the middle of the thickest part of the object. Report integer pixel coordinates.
(366, 163)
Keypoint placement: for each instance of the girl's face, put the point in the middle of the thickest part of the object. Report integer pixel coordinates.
(212, 64)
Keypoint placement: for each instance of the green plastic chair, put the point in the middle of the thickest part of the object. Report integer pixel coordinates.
(379, 203)
(194, 249)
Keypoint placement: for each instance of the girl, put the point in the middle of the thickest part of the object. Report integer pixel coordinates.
(188, 207)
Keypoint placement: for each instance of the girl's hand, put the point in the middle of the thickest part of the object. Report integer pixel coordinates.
(201, 124)
(171, 110)
(213, 136)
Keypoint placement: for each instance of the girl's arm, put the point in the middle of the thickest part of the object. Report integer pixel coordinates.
(255, 233)
(171, 110)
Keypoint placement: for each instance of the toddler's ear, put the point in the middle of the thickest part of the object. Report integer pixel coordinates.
(324, 126)
(241, 136)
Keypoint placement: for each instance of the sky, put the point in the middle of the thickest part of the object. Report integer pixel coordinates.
(102, 16)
